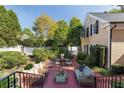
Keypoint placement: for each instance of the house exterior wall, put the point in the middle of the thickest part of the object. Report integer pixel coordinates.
(117, 47)
(101, 38)
(114, 44)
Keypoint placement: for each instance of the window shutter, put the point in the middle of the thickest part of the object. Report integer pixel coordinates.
(97, 26)
(87, 31)
(84, 33)
(91, 30)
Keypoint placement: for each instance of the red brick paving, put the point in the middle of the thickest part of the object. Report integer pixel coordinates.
(71, 82)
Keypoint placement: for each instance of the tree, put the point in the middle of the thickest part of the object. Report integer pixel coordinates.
(117, 10)
(2, 42)
(28, 32)
(2, 9)
(61, 33)
(9, 26)
(29, 42)
(39, 41)
(44, 25)
(75, 32)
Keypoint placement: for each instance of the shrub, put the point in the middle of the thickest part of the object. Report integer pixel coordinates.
(2, 63)
(117, 69)
(102, 71)
(98, 54)
(10, 61)
(28, 67)
(42, 54)
(29, 42)
(2, 43)
(105, 72)
(62, 50)
(68, 55)
(81, 56)
(88, 61)
(52, 54)
(12, 43)
(118, 84)
(12, 58)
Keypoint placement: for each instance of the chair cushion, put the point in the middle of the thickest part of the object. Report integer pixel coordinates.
(87, 71)
(81, 68)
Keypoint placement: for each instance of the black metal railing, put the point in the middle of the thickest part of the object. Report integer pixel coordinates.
(22, 80)
(113, 81)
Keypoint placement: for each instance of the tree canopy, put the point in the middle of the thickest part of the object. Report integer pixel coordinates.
(75, 32)
(28, 32)
(117, 10)
(61, 33)
(10, 29)
(44, 25)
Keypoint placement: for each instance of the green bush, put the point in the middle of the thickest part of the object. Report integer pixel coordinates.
(102, 71)
(117, 69)
(42, 54)
(10, 61)
(12, 43)
(118, 84)
(68, 55)
(28, 67)
(12, 58)
(98, 54)
(81, 56)
(2, 64)
(62, 50)
(88, 61)
(2, 43)
(105, 72)
(30, 42)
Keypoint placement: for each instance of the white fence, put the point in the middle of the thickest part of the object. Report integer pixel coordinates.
(26, 50)
(17, 48)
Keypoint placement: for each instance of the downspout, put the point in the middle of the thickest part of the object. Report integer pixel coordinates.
(109, 64)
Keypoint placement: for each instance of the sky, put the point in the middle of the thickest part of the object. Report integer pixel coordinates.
(27, 14)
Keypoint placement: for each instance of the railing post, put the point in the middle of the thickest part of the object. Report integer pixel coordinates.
(20, 79)
(115, 81)
(42, 77)
(95, 82)
(14, 81)
(120, 82)
(8, 82)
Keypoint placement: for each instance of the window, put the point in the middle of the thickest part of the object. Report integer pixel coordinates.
(95, 27)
